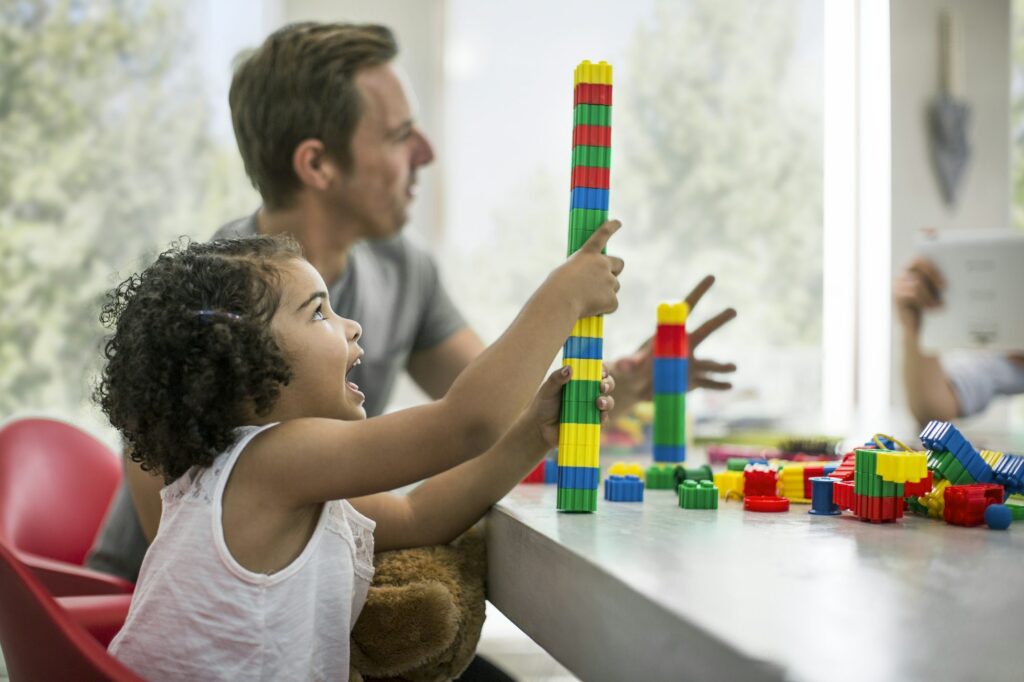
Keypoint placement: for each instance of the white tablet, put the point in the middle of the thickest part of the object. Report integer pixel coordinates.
(983, 304)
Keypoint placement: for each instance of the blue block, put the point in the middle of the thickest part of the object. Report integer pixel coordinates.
(583, 347)
(623, 489)
(670, 375)
(550, 471)
(589, 198)
(581, 478)
(669, 453)
(829, 468)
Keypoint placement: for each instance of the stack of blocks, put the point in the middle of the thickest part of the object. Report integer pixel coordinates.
(671, 349)
(580, 434)
(882, 478)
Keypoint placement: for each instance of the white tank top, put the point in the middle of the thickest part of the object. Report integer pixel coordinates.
(197, 614)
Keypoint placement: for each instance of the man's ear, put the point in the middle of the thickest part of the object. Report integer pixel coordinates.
(312, 165)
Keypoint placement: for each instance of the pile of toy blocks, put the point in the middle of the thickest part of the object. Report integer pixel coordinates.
(872, 482)
(953, 461)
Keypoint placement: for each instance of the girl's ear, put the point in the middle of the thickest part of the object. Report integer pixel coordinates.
(312, 165)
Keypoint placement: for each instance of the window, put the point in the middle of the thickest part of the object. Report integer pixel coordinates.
(716, 168)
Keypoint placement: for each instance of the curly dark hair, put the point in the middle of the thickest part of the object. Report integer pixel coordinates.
(191, 353)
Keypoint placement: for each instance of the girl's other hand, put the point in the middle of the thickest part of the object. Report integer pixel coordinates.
(546, 408)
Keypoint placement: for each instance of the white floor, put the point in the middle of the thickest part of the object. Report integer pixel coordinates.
(509, 648)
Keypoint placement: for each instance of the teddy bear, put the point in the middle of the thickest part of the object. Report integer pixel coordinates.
(423, 613)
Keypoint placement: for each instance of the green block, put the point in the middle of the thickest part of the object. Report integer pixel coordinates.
(955, 472)
(1016, 510)
(579, 412)
(587, 219)
(737, 463)
(934, 458)
(865, 480)
(660, 477)
(597, 157)
(693, 495)
(669, 418)
(916, 507)
(577, 500)
(581, 391)
(889, 489)
(592, 115)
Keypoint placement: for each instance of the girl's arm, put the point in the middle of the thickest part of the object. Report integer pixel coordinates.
(305, 461)
(446, 505)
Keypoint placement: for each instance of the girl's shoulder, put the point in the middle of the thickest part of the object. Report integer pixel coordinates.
(200, 482)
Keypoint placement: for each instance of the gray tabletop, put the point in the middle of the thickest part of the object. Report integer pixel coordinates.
(652, 591)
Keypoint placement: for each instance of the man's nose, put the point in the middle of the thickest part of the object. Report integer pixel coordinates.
(424, 150)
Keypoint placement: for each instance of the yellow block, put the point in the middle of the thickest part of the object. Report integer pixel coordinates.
(588, 72)
(902, 467)
(626, 469)
(584, 370)
(729, 480)
(991, 457)
(673, 313)
(592, 327)
(579, 445)
(935, 500)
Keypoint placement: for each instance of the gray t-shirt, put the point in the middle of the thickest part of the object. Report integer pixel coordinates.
(390, 287)
(977, 378)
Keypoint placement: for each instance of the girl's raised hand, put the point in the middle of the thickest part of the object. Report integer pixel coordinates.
(590, 278)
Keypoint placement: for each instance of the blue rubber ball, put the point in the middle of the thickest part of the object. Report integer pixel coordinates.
(998, 516)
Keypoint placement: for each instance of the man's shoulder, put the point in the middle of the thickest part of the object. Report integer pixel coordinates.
(240, 227)
(400, 251)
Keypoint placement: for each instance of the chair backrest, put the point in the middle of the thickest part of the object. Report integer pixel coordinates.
(40, 640)
(56, 483)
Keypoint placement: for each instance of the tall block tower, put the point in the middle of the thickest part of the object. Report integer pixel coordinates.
(579, 440)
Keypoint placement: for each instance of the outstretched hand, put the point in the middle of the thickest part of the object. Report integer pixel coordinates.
(634, 374)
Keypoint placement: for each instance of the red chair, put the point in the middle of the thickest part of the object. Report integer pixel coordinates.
(42, 641)
(56, 483)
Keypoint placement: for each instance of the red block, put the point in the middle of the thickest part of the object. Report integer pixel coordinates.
(877, 509)
(592, 93)
(592, 136)
(845, 470)
(535, 476)
(670, 341)
(809, 473)
(589, 176)
(842, 494)
(922, 487)
(760, 483)
(965, 504)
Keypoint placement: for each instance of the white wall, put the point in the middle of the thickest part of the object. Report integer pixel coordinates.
(984, 28)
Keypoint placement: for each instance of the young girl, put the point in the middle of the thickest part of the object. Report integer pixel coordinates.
(226, 373)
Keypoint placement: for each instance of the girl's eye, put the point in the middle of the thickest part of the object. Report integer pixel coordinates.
(318, 315)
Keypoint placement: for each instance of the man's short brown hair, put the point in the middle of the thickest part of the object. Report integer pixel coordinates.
(298, 85)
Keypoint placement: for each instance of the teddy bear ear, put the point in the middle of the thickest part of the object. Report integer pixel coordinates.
(401, 628)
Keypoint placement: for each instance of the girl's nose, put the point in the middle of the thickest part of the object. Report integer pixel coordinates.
(355, 330)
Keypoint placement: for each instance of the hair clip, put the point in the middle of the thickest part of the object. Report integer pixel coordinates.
(207, 315)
